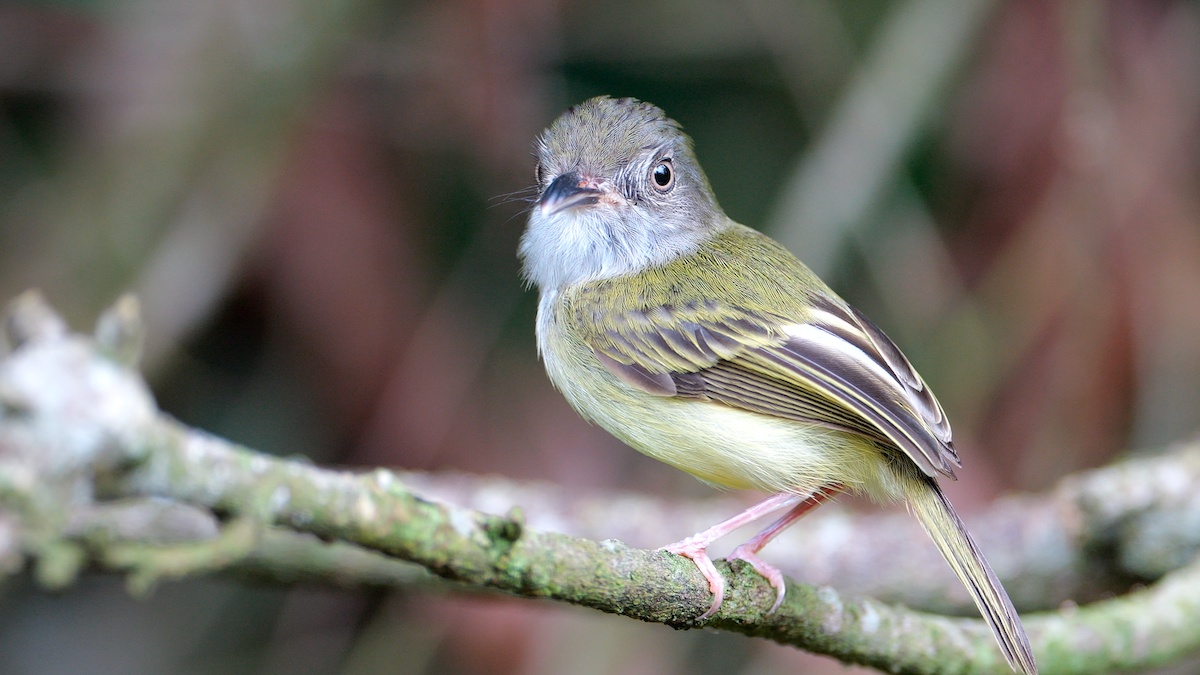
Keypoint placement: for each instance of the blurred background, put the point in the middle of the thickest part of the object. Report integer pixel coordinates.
(318, 202)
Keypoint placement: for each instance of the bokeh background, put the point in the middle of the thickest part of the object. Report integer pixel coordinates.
(318, 202)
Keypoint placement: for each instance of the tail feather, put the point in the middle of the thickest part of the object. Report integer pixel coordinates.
(946, 529)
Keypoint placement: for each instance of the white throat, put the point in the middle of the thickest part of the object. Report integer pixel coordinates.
(588, 243)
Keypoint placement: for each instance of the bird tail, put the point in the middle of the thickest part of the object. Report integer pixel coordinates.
(946, 529)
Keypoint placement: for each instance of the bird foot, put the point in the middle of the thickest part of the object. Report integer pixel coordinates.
(697, 551)
(770, 573)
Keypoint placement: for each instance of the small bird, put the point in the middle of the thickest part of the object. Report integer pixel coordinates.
(707, 345)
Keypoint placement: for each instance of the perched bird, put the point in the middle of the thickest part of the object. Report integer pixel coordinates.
(707, 345)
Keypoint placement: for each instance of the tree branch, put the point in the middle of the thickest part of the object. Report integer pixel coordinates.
(91, 471)
(1094, 535)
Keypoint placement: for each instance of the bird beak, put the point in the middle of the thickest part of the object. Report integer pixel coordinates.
(567, 192)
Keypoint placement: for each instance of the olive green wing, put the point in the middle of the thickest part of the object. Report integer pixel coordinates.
(834, 369)
(647, 348)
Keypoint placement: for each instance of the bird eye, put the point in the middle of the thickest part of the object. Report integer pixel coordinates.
(662, 176)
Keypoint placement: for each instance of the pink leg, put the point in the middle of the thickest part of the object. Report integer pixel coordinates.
(749, 550)
(695, 547)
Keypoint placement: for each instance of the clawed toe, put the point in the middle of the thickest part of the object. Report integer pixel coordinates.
(770, 573)
(697, 552)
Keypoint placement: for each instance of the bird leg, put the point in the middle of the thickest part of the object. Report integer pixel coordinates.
(749, 550)
(695, 547)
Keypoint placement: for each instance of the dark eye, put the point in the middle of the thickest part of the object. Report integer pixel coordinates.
(662, 176)
(541, 174)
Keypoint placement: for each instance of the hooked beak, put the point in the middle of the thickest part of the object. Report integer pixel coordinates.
(567, 192)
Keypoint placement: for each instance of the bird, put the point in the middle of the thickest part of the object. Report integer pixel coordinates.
(707, 345)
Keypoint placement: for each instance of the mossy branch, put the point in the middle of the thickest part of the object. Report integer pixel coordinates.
(91, 471)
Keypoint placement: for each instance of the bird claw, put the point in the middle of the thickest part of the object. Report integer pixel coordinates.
(697, 552)
(770, 573)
